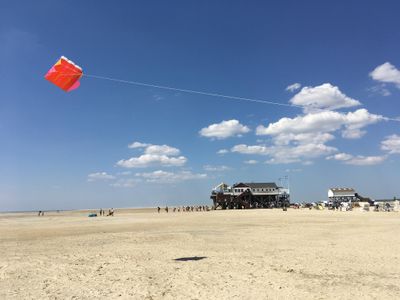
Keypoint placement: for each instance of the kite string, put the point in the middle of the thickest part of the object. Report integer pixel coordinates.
(208, 93)
(190, 91)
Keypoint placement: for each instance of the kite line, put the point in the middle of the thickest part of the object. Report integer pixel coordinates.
(209, 94)
(191, 91)
(65, 65)
(169, 88)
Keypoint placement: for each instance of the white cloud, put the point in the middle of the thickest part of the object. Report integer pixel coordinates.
(322, 122)
(135, 145)
(358, 160)
(380, 89)
(391, 144)
(100, 176)
(148, 160)
(340, 156)
(293, 170)
(124, 173)
(251, 162)
(162, 150)
(216, 168)
(224, 130)
(386, 73)
(169, 177)
(366, 160)
(154, 155)
(286, 154)
(126, 182)
(222, 151)
(302, 138)
(293, 87)
(325, 96)
(299, 153)
(256, 149)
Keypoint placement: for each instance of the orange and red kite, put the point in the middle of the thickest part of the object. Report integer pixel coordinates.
(65, 74)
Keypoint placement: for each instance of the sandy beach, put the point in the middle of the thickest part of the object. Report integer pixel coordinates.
(237, 254)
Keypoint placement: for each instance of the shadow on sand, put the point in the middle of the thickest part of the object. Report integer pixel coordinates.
(190, 258)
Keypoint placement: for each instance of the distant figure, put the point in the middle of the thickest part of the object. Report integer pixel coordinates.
(174, 209)
(101, 212)
(111, 212)
(166, 209)
(158, 209)
(40, 212)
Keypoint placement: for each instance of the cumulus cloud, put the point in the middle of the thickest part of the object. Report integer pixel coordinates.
(161, 150)
(160, 176)
(148, 160)
(224, 130)
(286, 154)
(387, 73)
(358, 160)
(153, 155)
(305, 137)
(155, 149)
(310, 137)
(380, 89)
(135, 145)
(126, 182)
(391, 144)
(216, 168)
(322, 122)
(366, 160)
(293, 87)
(222, 151)
(100, 176)
(251, 162)
(340, 156)
(325, 96)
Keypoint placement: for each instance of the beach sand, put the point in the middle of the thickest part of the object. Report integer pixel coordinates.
(237, 254)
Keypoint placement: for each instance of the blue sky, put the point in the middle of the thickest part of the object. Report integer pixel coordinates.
(76, 150)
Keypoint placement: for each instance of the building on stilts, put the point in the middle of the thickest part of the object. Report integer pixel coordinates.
(250, 195)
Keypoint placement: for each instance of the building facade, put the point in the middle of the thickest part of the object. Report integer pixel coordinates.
(339, 195)
(250, 195)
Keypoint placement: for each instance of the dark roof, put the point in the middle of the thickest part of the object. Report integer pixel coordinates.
(258, 185)
(241, 184)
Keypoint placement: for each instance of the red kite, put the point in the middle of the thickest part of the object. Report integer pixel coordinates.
(65, 74)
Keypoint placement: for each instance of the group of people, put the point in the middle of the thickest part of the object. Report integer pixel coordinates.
(186, 208)
(103, 212)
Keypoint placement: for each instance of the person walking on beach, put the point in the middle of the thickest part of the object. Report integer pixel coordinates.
(166, 209)
(158, 209)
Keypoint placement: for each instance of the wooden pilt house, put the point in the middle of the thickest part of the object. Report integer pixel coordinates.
(250, 195)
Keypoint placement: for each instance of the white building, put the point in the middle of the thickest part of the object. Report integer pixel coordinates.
(342, 195)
